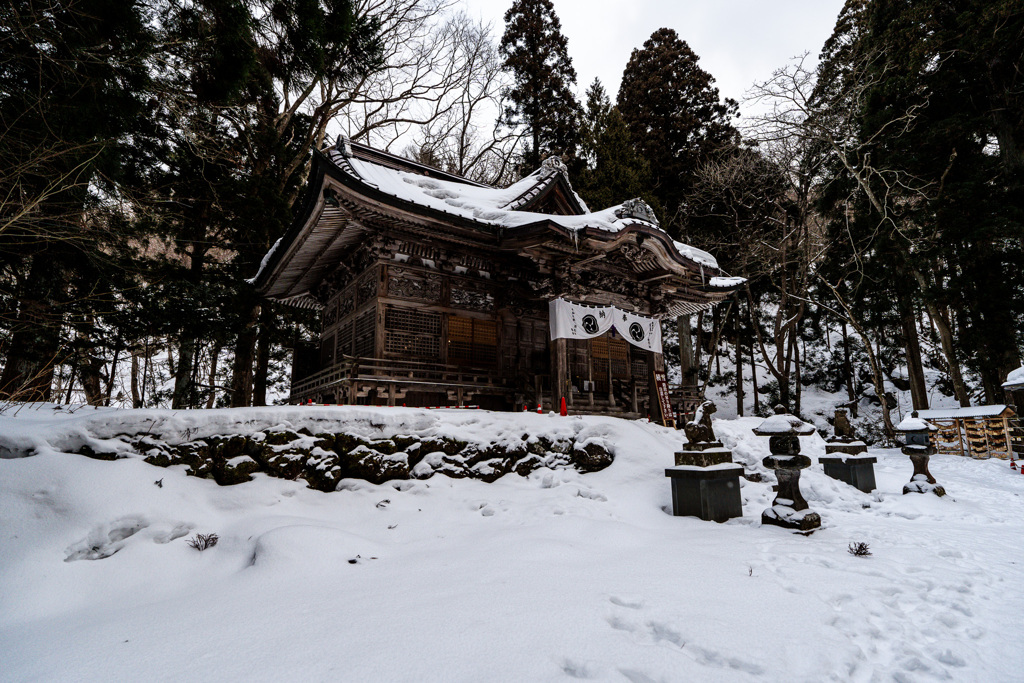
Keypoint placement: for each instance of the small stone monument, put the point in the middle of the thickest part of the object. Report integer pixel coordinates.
(917, 435)
(851, 465)
(705, 481)
(789, 509)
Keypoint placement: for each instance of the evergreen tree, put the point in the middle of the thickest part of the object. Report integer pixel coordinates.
(933, 90)
(674, 115)
(614, 171)
(541, 98)
(74, 86)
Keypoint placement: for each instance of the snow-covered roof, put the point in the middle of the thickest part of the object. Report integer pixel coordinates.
(1015, 380)
(952, 413)
(540, 207)
(496, 206)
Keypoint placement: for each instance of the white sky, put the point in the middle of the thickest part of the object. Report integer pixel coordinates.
(739, 42)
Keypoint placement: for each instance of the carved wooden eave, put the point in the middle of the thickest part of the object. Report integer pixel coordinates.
(342, 209)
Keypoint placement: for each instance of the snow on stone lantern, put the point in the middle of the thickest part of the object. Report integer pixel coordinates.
(918, 445)
(789, 509)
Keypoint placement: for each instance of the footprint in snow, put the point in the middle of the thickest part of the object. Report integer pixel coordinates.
(105, 539)
(630, 602)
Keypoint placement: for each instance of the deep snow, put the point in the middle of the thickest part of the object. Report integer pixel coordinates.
(556, 576)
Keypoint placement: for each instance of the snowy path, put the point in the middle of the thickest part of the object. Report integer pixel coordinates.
(556, 577)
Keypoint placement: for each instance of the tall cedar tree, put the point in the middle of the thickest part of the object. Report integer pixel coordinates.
(536, 54)
(73, 87)
(960, 226)
(614, 171)
(305, 46)
(674, 115)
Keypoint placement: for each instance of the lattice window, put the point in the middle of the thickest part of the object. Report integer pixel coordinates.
(472, 342)
(364, 333)
(639, 367)
(619, 352)
(411, 333)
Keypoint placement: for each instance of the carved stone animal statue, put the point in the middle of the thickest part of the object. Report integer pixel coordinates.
(843, 428)
(699, 430)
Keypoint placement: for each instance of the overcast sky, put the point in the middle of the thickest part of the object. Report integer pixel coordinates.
(738, 41)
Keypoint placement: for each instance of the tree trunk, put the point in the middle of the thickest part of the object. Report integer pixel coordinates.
(259, 392)
(848, 372)
(136, 398)
(35, 348)
(941, 323)
(796, 369)
(182, 396)
(753, 377)
(214, 357)
(245, 350)
(739, 369)
(113, 373)
(912, 347)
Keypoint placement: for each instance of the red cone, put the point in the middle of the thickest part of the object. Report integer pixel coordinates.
(563, 411)
(539, 411)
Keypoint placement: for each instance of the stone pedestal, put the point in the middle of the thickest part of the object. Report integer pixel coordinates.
(789, 509)
(857, 471)
(703, 454)
(845, 447)
(711, 493)
(922, 480)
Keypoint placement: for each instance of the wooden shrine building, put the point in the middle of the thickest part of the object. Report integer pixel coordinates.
(436, 290)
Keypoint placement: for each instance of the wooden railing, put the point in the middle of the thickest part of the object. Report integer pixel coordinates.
(392, 371)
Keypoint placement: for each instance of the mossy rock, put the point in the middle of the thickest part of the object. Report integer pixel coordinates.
(88, 452)
(285, 465)
(492, 469)
(592, 457)
(322, 472)
(539, 446)
(528, 464)
(406, 443)
(281, 438)
(445, 444)
(160, 459)
(324, 441)
(345, 443)
(235, 471)
(374, 466)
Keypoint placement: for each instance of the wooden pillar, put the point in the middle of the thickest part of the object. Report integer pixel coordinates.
(655, 364)
(559, 372)
(686, 361)
(590, 370)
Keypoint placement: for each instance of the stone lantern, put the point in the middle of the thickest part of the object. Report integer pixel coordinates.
(705, 481)
(789, 509)
(846, 457)
(918, 445)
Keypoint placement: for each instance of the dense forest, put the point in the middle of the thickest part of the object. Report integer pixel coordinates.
(151, 152)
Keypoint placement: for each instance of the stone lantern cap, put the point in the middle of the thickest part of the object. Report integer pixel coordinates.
(782, 424)
(912, 423)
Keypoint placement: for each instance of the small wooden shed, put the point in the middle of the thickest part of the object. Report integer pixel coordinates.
(980, 431)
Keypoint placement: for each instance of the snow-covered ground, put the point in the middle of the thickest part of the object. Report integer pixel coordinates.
(556, 576)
